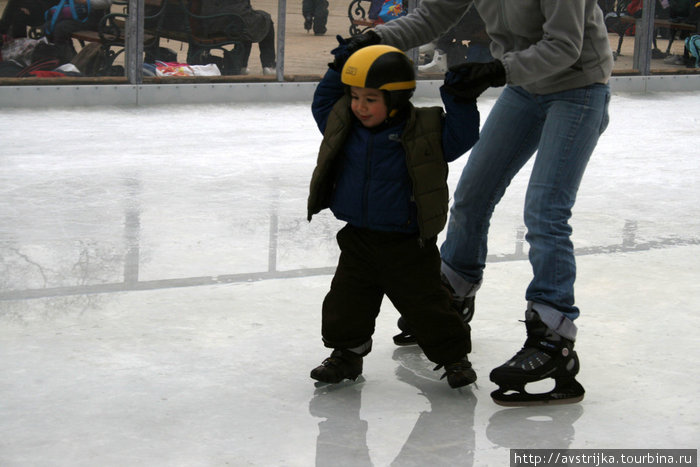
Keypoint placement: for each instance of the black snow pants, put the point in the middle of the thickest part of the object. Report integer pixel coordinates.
(373, 264)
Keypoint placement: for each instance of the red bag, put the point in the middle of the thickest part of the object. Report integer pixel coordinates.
(634, 6)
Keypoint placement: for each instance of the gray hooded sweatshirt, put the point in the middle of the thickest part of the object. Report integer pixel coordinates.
(545, 46)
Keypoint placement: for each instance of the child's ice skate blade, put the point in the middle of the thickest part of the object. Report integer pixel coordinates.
(404, 338)
(322, 386)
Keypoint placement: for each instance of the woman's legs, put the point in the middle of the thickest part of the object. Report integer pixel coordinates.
(508, 138)
(575, 120)
(564, 129)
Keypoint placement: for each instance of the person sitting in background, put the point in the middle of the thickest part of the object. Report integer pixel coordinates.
(262, 31)
(65, 19)
(257, 27)
(18, 15)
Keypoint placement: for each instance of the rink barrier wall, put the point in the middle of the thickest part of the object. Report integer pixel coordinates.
(208, 93)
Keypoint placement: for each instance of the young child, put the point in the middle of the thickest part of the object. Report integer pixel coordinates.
(382, 168)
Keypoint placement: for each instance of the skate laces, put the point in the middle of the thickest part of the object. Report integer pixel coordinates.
(452, 368)
(332, 362)
(336, 360)
(532, 354)
(339, 360)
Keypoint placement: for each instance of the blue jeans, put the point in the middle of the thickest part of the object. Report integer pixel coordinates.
(563, 129)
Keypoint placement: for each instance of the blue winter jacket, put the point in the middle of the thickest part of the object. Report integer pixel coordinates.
(373, 188)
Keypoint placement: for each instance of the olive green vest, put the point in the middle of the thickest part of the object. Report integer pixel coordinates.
(422, 141)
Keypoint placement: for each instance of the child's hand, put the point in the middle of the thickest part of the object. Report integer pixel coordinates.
(341, 54)
(468, 80)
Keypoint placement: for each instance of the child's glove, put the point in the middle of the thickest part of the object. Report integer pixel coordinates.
(341, 54)
(468, 80)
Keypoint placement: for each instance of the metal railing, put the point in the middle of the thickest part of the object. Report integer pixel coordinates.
(307, 55)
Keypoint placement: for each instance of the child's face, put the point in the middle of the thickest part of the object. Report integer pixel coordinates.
(368, 106)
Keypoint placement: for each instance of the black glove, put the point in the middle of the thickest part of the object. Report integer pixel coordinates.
(341, 54)
(359, 41)
(468, 80)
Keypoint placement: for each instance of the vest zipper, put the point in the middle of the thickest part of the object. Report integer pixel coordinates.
(368, 173)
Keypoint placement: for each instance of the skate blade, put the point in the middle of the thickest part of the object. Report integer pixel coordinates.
(569, 392)
(463, 383)
(532, 400)
(404, 340)
(342, 384)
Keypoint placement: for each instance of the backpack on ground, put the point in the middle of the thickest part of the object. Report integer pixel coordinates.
(90, 60)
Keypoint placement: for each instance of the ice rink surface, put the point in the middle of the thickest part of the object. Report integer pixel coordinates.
(160, 293)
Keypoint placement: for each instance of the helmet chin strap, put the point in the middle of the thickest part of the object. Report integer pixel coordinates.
(397, 101)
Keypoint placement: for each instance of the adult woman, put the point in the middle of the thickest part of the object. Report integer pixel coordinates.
(555, 58)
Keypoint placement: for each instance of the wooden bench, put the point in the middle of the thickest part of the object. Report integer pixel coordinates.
(673, 27)
(200, 41)
(111, 36)
(358, 13)
(166, 19)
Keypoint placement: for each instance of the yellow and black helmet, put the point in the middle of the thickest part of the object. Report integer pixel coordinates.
(382, 67)
(379, 67)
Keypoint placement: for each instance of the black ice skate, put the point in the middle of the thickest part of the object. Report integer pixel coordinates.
(464, 306)
(458, 374)
(544, 355)
(308, 23)
(341, 365)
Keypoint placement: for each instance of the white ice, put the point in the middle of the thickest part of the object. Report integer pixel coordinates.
(160, 293)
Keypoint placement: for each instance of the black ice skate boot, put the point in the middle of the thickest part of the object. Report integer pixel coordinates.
(544, 355)
(458, 374)
(308, 23)
(342, 364)
(462, 305)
